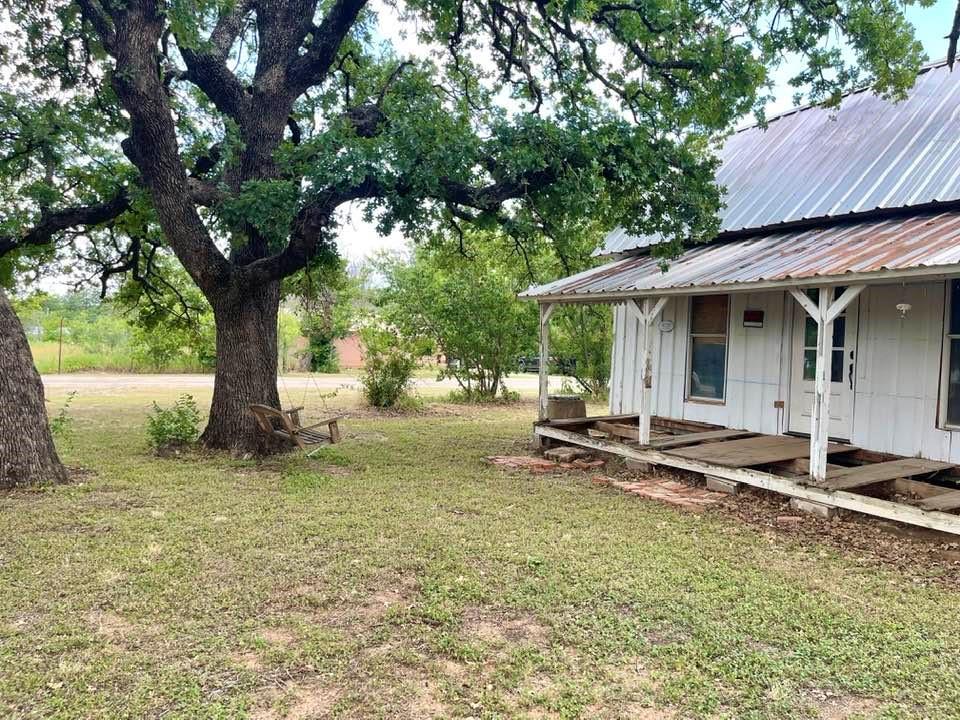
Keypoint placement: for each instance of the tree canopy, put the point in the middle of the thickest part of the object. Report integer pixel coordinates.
(239, 130)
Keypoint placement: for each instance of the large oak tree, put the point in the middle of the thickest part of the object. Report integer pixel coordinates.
(243, 128)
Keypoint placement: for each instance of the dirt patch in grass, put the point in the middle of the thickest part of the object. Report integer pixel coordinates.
(425, 702)
(113, 628)
(358, 611)
(666, 636)
(923, 556)
(629, 695)
(498, 628)
(459, 674)
(830, 706)
(331, 470)
(297, 700)
(632, 676)
(248, 660)
(636, 711)
(371, 436)
(279, 637)
(871, 541)
(265, 472)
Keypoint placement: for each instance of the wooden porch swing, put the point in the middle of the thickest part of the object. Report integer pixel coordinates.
(286, 424)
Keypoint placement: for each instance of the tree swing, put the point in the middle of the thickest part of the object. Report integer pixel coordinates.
(286, 423)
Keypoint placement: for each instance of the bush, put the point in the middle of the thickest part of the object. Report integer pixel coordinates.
(174, 427)
(323, 354)
(470, 397)
(388, 368)
(466, 308)
(61, 426)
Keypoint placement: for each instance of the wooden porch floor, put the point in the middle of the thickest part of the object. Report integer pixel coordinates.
(910, 490)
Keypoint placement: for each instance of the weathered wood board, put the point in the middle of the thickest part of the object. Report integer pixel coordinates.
(947, 501)
(694, 438)
(754, 451)
(616, 429)
(849, 501)
(861, 475)
(589, 420)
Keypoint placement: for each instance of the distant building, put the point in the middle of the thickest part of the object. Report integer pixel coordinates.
(349, 351)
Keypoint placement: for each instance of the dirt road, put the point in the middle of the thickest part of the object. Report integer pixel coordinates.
(112, 383)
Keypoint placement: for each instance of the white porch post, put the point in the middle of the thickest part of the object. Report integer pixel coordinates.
(824, 312)
(546, 310)
(647, 312)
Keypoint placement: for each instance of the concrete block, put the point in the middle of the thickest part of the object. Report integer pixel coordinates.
(731, 487)
(814, 508)
(638, 465)
(567, 453)
(539, 443)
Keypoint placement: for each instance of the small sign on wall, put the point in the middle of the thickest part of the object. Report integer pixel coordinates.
(753, 318)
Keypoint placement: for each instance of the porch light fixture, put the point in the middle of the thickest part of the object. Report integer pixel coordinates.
(904, 308)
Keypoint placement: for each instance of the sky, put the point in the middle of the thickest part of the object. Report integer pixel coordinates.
(359, 240)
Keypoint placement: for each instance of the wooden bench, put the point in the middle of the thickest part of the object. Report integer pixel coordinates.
(286, 424)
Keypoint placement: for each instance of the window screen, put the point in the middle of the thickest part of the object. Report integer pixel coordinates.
(952, 375)
(708, 346)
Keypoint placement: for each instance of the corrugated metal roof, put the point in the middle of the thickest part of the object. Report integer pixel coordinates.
(839, 251)
(816, 162)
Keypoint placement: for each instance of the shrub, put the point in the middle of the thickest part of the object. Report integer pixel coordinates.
(469, 397)
(466, 309)
(388, 368)
(61, 426)
(173, 427)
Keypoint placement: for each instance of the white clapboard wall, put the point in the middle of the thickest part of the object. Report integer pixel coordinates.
(897, 375)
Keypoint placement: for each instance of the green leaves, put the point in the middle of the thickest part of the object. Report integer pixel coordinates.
(466, 307)
(267, 206)
(509, 115)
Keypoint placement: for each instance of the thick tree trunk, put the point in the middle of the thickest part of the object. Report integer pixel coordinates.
(27, 452)
(246, 371)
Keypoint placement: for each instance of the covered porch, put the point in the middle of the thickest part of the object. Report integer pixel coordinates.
(909, 490)
(819, 277)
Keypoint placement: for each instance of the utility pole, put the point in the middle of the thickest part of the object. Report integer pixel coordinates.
(60, 348)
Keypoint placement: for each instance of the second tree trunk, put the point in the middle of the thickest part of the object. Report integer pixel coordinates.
(27, 452)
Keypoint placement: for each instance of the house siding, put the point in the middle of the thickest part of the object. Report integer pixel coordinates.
(897, 378)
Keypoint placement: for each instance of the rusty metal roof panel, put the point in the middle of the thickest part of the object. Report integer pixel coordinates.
(816, 162)
(829, 252)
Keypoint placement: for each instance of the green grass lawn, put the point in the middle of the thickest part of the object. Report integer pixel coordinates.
(398, 576)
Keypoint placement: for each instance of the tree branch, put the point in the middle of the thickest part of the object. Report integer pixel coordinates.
(207, 67)
(312, 220)
(53, 222)
(92, 11)
(229, 26)
(209, 72)
(311, 68)
(954, 36)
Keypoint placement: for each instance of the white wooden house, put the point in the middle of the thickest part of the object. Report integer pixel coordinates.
(827, 307)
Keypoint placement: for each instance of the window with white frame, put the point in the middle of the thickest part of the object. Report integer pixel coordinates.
(950, 402)
(707, 377)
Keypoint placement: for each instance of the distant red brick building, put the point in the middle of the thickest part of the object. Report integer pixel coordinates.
(349, 351)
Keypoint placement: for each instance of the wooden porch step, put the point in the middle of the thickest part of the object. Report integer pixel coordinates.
(761, 450)
(861, 475)
(949, 500)
(694, 438)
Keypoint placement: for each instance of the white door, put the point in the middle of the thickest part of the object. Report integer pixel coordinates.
(843, 373)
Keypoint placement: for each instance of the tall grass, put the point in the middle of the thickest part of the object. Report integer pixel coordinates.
(78, 359)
